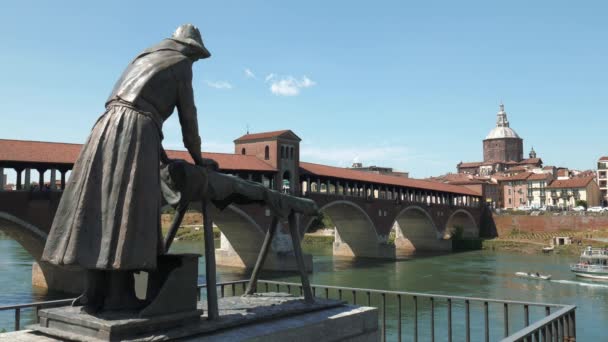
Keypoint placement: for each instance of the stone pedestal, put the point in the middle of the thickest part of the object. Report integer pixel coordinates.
(261, 317)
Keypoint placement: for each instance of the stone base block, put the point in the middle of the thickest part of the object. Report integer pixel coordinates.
(69, 323)
(345, 323)
(260, 317)
(274, 261)
(380, 251)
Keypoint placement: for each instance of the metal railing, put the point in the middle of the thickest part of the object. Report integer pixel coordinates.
(406, 315)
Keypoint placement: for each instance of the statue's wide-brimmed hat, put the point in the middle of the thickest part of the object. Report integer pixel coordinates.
(190, 35)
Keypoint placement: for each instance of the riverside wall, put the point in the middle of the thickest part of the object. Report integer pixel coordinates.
(507, 223)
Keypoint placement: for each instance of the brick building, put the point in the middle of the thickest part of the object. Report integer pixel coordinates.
(602, 179)
(280, 149)
(502, 151)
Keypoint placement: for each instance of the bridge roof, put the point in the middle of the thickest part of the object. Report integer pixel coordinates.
(228, 161)
(354, 175)
(26, 151)
(54, 153)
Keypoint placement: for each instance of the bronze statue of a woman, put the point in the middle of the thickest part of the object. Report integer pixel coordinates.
(108, 220)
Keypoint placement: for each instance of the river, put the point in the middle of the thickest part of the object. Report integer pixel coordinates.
(476, 274)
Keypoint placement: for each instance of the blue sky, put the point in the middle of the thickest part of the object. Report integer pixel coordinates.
(412, 85)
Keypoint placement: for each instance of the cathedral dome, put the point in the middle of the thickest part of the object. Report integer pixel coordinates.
(502, 132)
(502, 129)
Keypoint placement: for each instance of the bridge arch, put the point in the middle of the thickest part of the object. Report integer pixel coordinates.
(355, 233)
(30, 237)
(461, 220)
(416, 232)
(33, 239)
(241, 236)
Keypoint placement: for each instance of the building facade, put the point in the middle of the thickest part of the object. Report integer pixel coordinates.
(602, 179)
(280, 149)
(564, 193)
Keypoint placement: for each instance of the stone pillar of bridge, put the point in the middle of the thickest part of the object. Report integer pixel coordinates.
(308, 187)
(27, 182)
(243, 255)
(53, 179)
(63, 172)
(2, 179)
(318, 184)
(41, 178)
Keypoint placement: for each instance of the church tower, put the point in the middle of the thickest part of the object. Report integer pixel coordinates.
(502, 143)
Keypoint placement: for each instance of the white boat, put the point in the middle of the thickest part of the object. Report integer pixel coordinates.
(548, 249)
(533, 275)
(593, 264)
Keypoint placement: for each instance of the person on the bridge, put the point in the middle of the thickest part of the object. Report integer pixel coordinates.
(108, 220)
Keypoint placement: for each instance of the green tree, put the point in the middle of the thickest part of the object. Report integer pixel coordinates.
(582, 203)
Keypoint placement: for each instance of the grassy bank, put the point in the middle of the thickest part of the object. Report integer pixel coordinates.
(535, 247)
(317, 240)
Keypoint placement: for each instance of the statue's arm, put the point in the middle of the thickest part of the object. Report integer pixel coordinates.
(187, 114)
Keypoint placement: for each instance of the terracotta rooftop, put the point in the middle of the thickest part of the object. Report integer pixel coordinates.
(63, 153)
(604, 158)
(531, 161)
(227, 161)
(539, 176)
(354, 175)
(577, 182)
(470, 164)
(518, 168)
(38, 151)
(518, 177)
(267, 135)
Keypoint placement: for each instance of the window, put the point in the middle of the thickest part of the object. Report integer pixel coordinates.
(509, 194)
(291, 153)
(509, 201)
(282, 152)
(266, 152)
(243, 150)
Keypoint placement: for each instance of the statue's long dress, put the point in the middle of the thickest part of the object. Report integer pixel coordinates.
(109, 215)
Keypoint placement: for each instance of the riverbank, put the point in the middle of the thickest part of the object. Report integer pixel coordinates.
(191, 228)
(531, 243)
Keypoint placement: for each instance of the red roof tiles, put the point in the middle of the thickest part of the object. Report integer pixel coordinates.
(470, 164)
(354, 175)
(604, 158)
(38, 151)
(62, 153)
(518, 177)
(577, 182)
(539, 176)
(227, 161)
(534, 161)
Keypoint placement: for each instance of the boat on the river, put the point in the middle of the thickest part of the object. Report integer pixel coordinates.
(533, 275)
(548, 249)
(593, 264)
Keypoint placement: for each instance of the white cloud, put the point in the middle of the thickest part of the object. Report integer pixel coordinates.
(269, 77)
(249, 73)
(289, 85)
(219, 84)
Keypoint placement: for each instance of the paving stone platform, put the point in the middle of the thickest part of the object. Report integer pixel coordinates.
(241, 319)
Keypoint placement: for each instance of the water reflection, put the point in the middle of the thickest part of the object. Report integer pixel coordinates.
(477, 274)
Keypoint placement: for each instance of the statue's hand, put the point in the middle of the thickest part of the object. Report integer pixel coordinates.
(208, 163)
